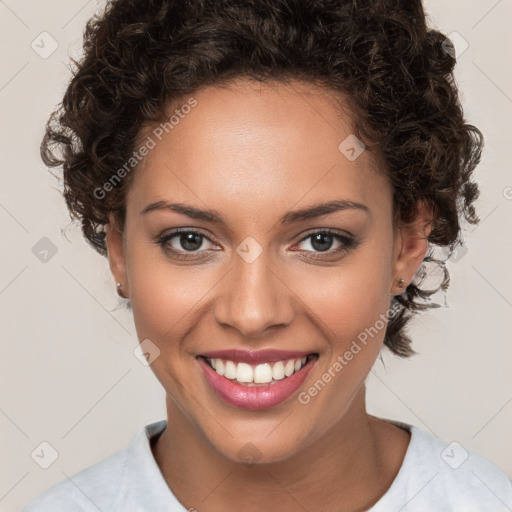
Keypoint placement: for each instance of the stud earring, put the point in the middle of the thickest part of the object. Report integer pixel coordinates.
(119, 292)
(400, 283)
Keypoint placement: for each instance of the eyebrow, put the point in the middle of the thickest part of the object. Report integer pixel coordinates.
(310, 212)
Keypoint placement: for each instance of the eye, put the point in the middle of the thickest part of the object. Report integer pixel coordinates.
(322, 240)
(182, 241)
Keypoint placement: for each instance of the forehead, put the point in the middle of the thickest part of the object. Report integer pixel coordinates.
(254, 146)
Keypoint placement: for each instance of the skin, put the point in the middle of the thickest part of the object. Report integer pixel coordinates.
(253, 152)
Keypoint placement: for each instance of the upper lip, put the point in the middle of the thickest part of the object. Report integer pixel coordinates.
(255, 357)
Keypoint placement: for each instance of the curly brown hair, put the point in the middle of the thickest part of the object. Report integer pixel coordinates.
(139, 55)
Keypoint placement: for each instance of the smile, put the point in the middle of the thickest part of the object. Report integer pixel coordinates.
(255, 380)
(250, 374)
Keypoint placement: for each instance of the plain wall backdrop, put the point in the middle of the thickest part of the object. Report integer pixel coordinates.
(68, 373)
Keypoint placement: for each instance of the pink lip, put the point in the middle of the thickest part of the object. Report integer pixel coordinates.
(255, 397)
(261, 356)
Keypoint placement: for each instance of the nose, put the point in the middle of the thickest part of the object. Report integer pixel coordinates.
(254, 298)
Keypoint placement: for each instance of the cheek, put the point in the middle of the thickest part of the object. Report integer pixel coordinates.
(163, 295)
(349, 306)
(164, 299)
(349, 300)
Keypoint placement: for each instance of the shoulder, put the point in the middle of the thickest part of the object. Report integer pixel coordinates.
(94, 488)
(100, 486)
(439, 475)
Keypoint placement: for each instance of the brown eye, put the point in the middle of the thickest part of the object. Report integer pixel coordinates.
(321, 241)
(183, 241)
(190, 241)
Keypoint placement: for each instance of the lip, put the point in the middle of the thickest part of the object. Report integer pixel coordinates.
(251, 357)
(262, 396)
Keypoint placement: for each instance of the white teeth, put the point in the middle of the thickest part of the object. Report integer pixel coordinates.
(219, 366)
(278, 371)
(230, 370)
(263, 373)
(289, 367)
(244, 373)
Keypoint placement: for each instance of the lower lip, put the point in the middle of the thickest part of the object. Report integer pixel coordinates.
(255, 397)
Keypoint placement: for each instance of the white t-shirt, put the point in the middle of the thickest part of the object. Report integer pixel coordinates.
(434, 477)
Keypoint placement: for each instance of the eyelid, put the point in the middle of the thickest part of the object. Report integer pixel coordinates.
(333, 231)
(164, 238)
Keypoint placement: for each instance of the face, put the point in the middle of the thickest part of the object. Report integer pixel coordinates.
(255, 274)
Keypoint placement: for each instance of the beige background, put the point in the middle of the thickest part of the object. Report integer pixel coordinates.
(68, 374)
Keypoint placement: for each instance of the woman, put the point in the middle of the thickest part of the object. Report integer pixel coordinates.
(267, 179)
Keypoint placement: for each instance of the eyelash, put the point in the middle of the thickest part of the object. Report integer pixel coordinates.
(347, 243)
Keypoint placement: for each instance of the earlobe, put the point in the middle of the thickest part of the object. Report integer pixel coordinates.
(411, 245)
(116, 257)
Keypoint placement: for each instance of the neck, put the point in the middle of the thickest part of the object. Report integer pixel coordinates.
(359, 457)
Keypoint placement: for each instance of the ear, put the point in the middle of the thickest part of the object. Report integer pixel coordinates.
(411, 245)
(116, 255)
